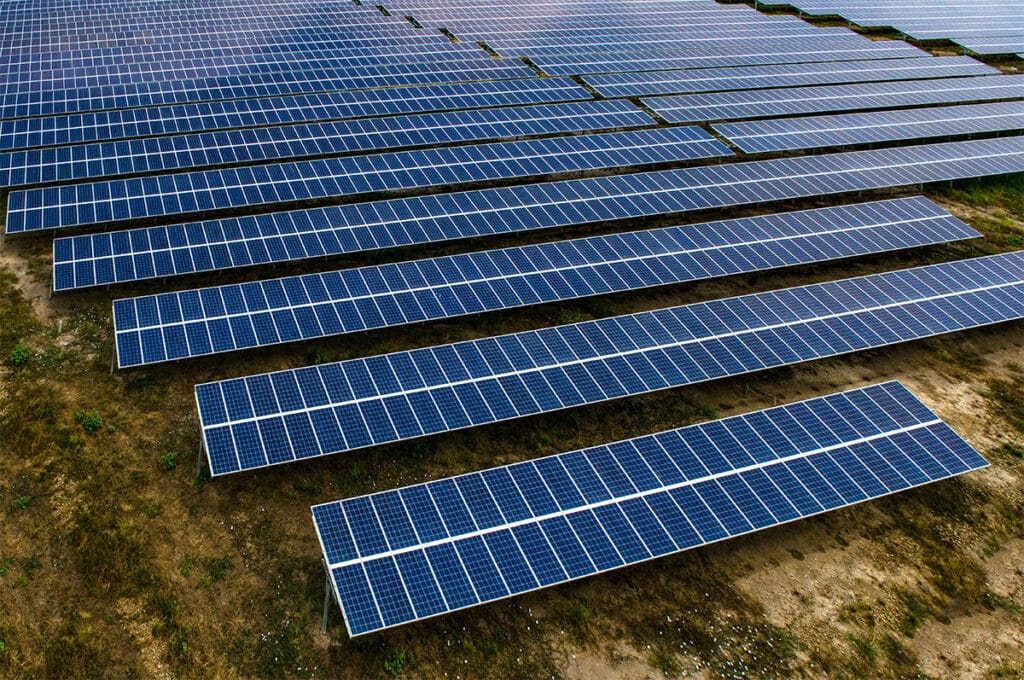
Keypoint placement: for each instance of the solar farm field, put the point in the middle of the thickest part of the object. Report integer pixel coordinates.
(577, 339)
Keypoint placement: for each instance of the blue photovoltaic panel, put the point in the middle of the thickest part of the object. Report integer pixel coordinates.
(696, 108)
(785, 75)
(239, 113)
(401, 555)
(79, 100)
(881, 126)
(281, 417)
(169, 326)
(748, 55)
(180, 69)
(185, 193)
(957, 20)
(114, 257)
(521, 45)
(229, 147)
(993, 45)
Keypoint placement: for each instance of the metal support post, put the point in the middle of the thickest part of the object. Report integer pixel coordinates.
(327, 598)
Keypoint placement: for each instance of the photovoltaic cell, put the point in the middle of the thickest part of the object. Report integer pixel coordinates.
(155, 328)
(401, 555)
(281, 417)
(115, 257)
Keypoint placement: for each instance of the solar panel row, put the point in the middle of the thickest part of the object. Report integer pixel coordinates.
(176, 69)
(787, 101)
(865, 128)
(83, 99)
(419, 551)
(648, 83)
(708, 58)
(281, 417)
(160, 154)
(115, 257)
(239, 113)
(169, 326)
(181, 194)
(960, 21)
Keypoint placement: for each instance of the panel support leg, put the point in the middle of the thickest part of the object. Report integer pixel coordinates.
(199, 457)
(327, 599)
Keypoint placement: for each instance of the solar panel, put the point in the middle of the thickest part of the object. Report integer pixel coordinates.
(865, 128)
(693, 108)
(595, 45)
(169, 120)
(519, 44)
(114, 257)
(952, 21)
(993, 45)
(158, 57)
(107, 159)
(276, 418)
(82, 99)
(169, 326)
(65, 77)
(166, 195)
(786, 75)
(420, 551)
(749, 55)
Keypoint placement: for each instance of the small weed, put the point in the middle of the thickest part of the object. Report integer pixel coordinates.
(1007, 397)
(708, 411)
(111, 428)
(91, 421)
(5, 564)
(186, 566)
(858, 612)
(169, 461)
(23, 502)
(19, 355)
(577, 618)
(570, 316)
(199, 480)
(1004, 602)
(1012, 450)
(915, 612)
(30, 565)
(153, 510)
(216, 568)
(396, 662)
(320, 356)
(665, 660)
(865, 647)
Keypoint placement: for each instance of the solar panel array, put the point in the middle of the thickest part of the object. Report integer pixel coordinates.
(159, 154)
(419, 551)
(168, 326)
(23, 133)
(293, 123)
(648, 83)
(881, 126)
(233, 188)
(281, 417)
(117, 257)
(695, 108)
(984, 28)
